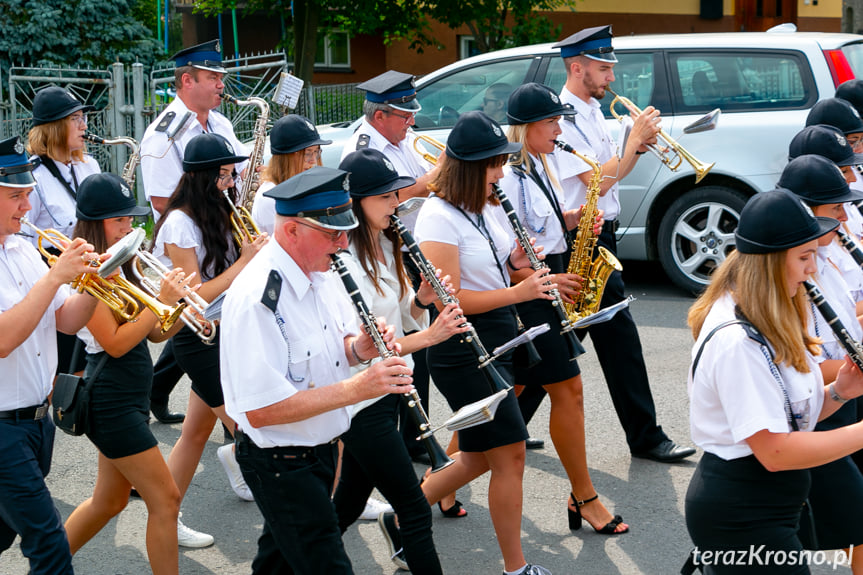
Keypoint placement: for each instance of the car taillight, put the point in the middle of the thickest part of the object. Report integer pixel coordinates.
(840, 69)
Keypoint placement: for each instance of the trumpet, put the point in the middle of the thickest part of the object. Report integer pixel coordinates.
(242, 223)
(424, 152)
(196, 306)
(123, 297)
(669, 152)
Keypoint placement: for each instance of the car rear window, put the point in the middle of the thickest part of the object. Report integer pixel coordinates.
(854, 55)
(738, 81)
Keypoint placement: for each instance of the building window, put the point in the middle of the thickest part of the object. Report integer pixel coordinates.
(467, 47)
(334, 49)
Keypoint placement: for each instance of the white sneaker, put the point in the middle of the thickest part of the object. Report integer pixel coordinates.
(229, 461)
(190, 538)
(375, 507)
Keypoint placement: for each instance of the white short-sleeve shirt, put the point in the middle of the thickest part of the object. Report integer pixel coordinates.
(439, 221)
(181, 230)
(533, 208)
(264, 209)
(832, 284)
(51, 204)
(587, 133)
(734, 394)
(162, 160)
(26, 374)
(260, 366)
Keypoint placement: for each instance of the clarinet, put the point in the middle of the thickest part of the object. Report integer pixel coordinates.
(852, 346)
(572, 343)
(438, 456)
(470, 337)
(850, 246)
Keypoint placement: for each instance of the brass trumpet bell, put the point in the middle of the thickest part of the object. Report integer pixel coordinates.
(422, 145)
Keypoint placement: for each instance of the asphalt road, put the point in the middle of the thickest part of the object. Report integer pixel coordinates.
(649, 495)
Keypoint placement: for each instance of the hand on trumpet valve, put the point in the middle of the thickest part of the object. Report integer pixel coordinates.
(175, 285)
(249, 249)
(78, 258)
(646, 128)
(391, 375)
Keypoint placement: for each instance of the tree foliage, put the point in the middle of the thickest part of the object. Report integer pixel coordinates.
(407, 20)
(82, 33)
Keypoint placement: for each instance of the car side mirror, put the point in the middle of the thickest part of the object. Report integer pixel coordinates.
(704, 123)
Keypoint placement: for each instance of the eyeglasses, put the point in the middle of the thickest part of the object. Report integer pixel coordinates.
(312, 155)
(334, 235)
(407, 119)
(80, 120)
(222, 177)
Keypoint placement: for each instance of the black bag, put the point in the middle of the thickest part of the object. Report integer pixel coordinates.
(71, 400)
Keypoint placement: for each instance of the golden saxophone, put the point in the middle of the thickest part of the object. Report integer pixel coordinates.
(256, 158)
(131, 166)
(594, 272)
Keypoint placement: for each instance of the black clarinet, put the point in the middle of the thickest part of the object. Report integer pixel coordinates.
(850, 245)
(566, 327)
(852, 347)
(438, 456)
(470, 337)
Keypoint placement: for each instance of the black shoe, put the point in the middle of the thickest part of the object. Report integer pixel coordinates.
(421, 457)
(666, 452)
(387, 523)
(534, 443)
(164, 416)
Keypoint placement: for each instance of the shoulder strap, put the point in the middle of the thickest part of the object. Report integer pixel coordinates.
(52, 167)
(709, 336)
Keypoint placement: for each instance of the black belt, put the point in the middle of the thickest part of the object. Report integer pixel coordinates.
(282, 451)
(610, 226)
(35, 412)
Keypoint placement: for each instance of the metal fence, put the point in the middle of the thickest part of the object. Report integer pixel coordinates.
(128, 98)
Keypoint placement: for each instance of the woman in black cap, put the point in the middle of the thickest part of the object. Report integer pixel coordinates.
(458, 231)
(194, 234)
(533, 186)
(756, 392)
(57, 138)
(375, 454)
(296, 147)
(119, 403)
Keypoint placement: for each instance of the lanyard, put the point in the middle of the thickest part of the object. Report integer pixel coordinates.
(548, 192)
(52, 167)
(479, 224)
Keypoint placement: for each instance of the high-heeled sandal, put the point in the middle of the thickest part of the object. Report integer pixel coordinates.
(456, 511)
(575, 518)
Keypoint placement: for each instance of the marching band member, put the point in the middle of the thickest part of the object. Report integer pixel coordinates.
(756, 395)
(195, 234)
(292, 401)
(374, 454)
(589, 60)
(57, 139)
(457, 230)
(120, 395)
(35, 302)
(296, 147)
(532, 183)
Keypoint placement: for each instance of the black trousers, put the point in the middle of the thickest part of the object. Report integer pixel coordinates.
(376, 456)
(618, 349)
(166, 375)
(26, 507)
(408, 429)
(292, 487)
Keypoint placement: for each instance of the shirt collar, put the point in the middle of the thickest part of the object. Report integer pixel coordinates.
(581, 107)
(291, 272)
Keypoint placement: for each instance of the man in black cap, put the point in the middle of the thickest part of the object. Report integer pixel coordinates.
(289, 312)
(198, 78)
(589, 59)
(34, 303)
(389, 111)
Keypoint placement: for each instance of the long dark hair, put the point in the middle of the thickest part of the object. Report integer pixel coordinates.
(198, 196)
(363, 238)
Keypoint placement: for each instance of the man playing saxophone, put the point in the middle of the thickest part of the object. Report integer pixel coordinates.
(589, 59)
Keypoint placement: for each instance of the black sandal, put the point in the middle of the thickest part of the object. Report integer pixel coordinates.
(455, 512)
(575, 518)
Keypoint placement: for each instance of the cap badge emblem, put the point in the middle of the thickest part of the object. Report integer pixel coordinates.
(554, 98)
(389, 165)
(807, 208)
(19, 147)
(346, 184)
(841, 139)
(310, 125)
(496, 130)
(217, 47)
(125, 190)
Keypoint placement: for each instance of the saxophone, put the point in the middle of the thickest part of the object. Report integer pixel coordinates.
(256, 157)
(594, 272)
(131, 166)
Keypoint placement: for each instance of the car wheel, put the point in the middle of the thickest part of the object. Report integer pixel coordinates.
(696, 234)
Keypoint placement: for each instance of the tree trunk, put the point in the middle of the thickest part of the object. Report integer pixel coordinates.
(852, 16)
(306, 17)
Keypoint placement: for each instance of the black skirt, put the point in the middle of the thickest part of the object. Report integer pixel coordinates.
(738, 505)
(555, 365)
(456, 373)
(200, 361)
(120, 403)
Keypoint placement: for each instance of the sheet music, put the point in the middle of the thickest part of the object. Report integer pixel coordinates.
(604, 314)
(288, 91)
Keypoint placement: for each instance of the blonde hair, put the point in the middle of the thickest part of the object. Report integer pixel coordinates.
(284, 166)
(518, 133)
(51, 140)
(759, 288)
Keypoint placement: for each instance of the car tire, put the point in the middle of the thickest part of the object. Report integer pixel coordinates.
(697, 233)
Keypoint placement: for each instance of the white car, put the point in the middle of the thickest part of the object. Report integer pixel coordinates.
(764, 83)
